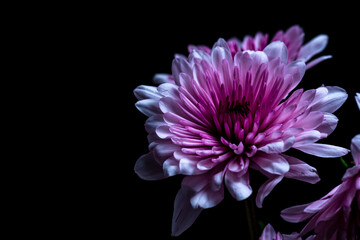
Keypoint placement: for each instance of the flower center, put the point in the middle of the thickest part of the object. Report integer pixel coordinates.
(236, 133)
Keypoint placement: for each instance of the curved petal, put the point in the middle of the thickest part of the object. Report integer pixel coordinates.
(323, 150)
(266, 188)
(277, 50)
(207, 198)
(296, 214)
(317, 61)
(238, 184)
(301, 171)
(307, 137)
(313, 47)
(268, 233)
(148, 169)
(271, 163)
(184, 214)
(146, 92)
(279, 146)
(148, 107)
(329, 102)
(328, 124)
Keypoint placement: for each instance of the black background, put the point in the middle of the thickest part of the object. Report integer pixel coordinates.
(148, 41)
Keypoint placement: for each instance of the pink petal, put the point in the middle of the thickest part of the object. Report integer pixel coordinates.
(297, 70)
(171, 167)
(313, 47)
(301, 171)
(153, 122)
(295, 214)
(355, 149)
(148, 169)
(268, 233)
(207, 198)
(167, 104)
(164, 150)
(311, 121)
(271, 163)
(238, 184)
(307, 137)
(196, 182)
(317, 205)
(266, 188)
(146, 92)
(277, 50)
(279, 146)
(328, 124)
(218, 54)
(330, 102)
(184, 214)
(323, 150)
(148, 107)
(163, 132)
(317, 61)
(180, 65)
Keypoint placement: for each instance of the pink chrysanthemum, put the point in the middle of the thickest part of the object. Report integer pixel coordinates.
(222, 115)
(270, 234)
(293, 39)
(336, 215)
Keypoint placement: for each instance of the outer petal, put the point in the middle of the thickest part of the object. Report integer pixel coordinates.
(301, 171)
(207, 198)
(146, 92)
(328, 124)
(268, 233)
(271, 163)
(148, 107)
(184, 214)
(313, 47)
(148, 169)
(296, 214)
(278, 147)
(355, 149)
(277, 50)
(266, 188)
(238, 184)
(323, 150)
(330, 102)
(317, 61)
(204, 195)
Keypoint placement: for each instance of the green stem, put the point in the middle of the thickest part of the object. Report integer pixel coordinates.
(251, 218)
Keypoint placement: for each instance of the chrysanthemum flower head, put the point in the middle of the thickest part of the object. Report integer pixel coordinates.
(221, 115)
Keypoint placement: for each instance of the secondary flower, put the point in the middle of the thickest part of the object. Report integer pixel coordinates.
(336, 215)
(293, 39)
(270, 234)
(357, 98)
(222, 115)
